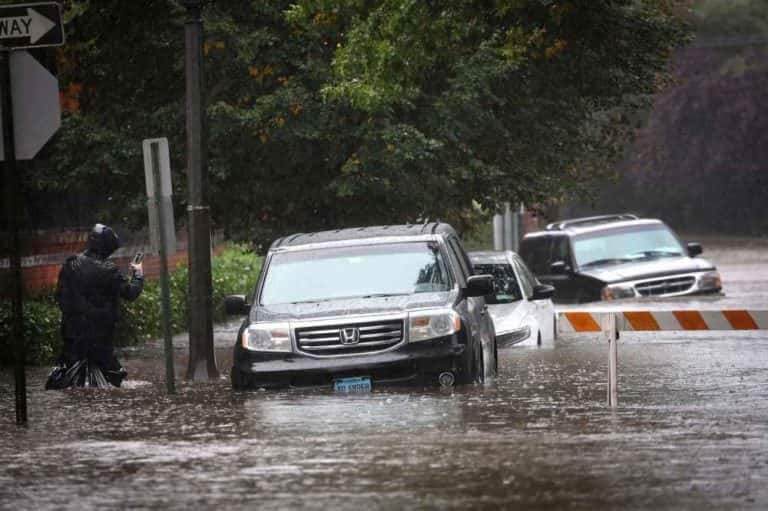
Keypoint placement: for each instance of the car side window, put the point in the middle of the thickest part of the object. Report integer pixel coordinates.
(527, 281)
(561, 250)
(535, 252)
(461, 256)
(505, 285)
(526, 272)
(455, 262)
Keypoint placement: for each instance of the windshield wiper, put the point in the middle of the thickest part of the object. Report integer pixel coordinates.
(314, 300)
(382, 295)
(612, 260)
(372, 295)
(656, 253)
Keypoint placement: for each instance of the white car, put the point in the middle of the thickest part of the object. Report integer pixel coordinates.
(521, 307)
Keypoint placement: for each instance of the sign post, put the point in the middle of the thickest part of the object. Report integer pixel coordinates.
(160, 211)
(11, 194)
(24, 85)
(158, 176)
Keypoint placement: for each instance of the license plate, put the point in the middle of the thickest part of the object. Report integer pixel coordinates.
(359, 384)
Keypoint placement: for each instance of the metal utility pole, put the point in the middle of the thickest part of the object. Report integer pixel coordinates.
(202, 359)
(12, 209)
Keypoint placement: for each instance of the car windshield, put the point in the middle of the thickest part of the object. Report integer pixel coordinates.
(368, 271)
(614, 247)
(506, 289)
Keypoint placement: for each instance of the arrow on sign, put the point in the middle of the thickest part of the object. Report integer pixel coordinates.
(34, 25)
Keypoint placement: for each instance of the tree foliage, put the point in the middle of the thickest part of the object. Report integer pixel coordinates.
(329, 113)
(701, 151)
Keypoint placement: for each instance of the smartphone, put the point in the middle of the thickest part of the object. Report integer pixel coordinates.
(138, 258)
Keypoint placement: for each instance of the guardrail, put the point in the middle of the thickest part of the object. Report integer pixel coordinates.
(611, 322)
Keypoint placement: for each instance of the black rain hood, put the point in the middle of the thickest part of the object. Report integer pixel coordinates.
(103, 241)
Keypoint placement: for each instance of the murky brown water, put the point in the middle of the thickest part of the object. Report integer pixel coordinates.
(691, 432)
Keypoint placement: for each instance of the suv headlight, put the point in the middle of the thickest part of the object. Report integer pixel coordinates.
(426, 325)
(267, 337)
(618, 291)
(710, 280)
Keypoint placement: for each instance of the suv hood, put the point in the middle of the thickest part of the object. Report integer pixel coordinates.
(351, 306)
(647, 269)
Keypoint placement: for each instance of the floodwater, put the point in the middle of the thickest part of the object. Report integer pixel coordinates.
(690, 432)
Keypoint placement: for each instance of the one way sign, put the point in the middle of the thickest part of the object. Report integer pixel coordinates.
(31, 25)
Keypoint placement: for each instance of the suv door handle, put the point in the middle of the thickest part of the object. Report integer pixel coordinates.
(484, 310)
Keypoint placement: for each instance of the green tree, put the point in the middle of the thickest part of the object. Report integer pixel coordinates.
(335, 113)
(523, 101)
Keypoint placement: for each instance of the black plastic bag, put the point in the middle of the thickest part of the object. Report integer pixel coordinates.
(83, 374)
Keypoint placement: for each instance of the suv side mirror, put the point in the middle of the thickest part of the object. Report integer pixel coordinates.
(542, 292)
(560, 268)
(694, 249)
(236, 305)
(479, 285)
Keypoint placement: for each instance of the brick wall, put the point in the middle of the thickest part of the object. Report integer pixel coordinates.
(44, 253)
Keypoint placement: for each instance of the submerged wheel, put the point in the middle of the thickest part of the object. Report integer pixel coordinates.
(471, 365)
(479, 364)
(239, 380)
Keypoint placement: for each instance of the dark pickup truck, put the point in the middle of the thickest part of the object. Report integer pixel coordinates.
(354, 308)
(615, 257)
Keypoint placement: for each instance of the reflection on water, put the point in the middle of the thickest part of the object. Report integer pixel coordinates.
(342, 415)
(691, 432)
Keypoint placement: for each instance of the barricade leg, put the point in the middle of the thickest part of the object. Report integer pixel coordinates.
(609, 328)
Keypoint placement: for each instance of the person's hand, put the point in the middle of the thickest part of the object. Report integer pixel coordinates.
(138, 269)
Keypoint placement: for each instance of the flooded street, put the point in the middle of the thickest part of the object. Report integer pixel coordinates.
(690, 432)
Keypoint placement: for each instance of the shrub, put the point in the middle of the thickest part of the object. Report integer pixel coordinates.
(42, 331)
(234, 271)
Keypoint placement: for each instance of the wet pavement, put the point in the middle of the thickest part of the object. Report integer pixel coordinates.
(690, 432)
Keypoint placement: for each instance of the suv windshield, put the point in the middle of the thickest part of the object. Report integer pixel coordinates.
(355, 272)
(613, 247)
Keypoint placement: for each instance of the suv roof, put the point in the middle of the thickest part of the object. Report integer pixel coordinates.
(356, 233)
(591, 224)
(589, 220)
(489, 256)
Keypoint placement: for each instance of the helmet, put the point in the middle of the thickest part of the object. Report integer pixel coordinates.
(103, 240)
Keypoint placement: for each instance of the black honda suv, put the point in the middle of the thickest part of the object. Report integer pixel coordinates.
(617, 256)
(354, 308)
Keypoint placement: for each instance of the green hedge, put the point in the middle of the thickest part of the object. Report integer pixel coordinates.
(234, 272)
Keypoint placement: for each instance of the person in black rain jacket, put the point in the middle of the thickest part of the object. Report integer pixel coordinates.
(88, 292)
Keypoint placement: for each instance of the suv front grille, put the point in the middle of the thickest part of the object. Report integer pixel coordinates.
(349, 339)
(665, 286)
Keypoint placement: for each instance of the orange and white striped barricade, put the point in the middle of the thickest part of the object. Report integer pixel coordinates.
(611, 321)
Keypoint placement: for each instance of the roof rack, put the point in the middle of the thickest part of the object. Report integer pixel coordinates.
(556, 226)
(362, 232)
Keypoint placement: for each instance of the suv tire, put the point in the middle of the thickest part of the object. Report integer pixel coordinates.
(469, 372)
(239, 380)
(479, 376)
(495, 358)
